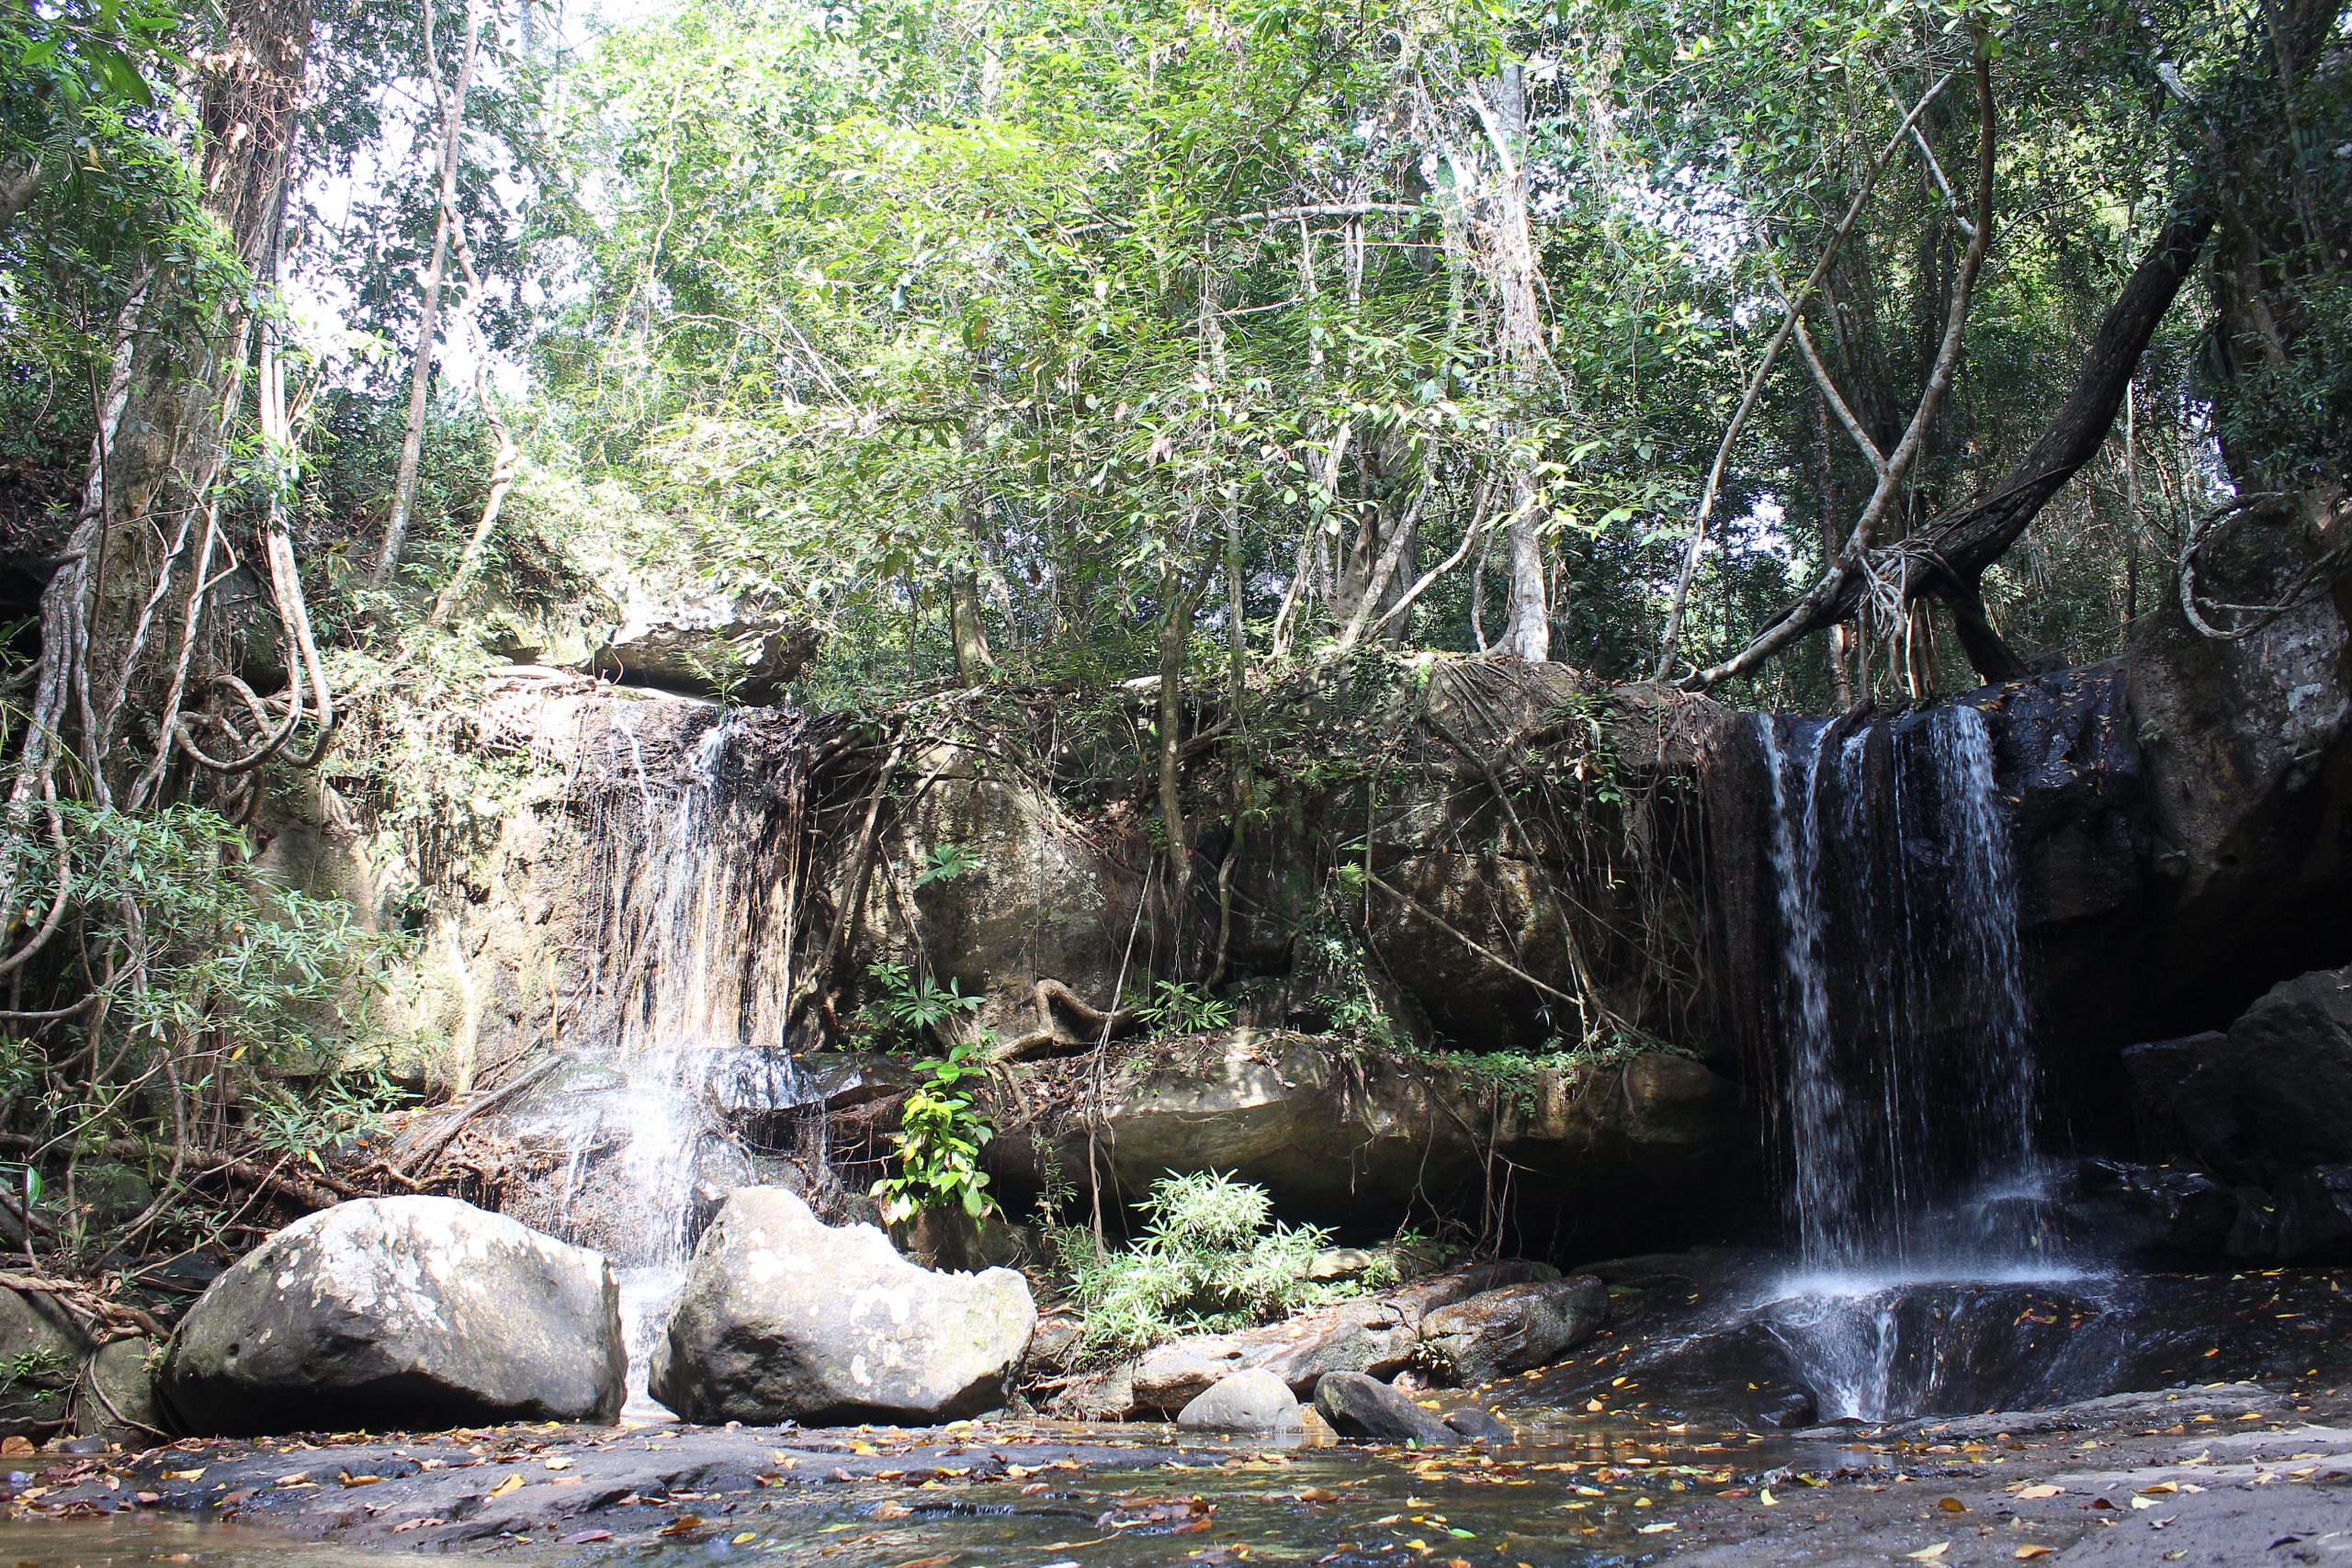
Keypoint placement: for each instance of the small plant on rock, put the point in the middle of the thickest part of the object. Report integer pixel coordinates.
(939, 1140)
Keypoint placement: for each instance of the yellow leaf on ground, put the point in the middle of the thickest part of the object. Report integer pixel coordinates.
(2030, 1552)
(512, 1483)
(1929, 1553)
(2032, 1493)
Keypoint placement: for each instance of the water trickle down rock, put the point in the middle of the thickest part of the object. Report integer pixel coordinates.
(694, 833)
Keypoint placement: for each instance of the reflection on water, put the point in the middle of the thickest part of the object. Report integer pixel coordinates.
(1591, 1491)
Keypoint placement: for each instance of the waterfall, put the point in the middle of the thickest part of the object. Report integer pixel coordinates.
(1904, 1036)
(694, 875)
(1904, 1023)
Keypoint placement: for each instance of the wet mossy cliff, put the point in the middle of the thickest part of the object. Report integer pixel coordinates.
(1449, 942)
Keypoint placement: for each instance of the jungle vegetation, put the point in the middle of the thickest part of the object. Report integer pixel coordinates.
(1812, 354)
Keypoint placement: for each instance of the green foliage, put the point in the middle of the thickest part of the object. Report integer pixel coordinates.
(1211, 1260)
(1173, 1007)
(946, 862)
(939, 1141)
(209, 989)
(912, 1005)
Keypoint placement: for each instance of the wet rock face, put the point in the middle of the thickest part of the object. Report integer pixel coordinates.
(1652, 1146)
(786, 1318)
(402, 1314)
(2247, 746)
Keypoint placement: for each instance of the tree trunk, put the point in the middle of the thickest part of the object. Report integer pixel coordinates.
(428, 314)
(1950, 554)
(164, 422)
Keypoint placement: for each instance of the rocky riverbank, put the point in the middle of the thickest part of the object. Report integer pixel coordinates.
(2225, 1475)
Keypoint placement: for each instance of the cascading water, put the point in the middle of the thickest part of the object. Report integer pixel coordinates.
(1905, 1040)
(693, 869)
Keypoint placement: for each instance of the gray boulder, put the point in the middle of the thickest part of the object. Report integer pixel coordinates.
(1370, 1411)
(2266, 1099)
(399, 1313)
(1515, 1328)
(786, 1318)
(1255, 1402)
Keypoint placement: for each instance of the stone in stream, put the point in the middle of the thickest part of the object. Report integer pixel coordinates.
(1253, 1402)
(1367, 1409)
(1376, 1336)
(1478, 1425)
(1516, 1328)
(786, 1318)
(399, 1313)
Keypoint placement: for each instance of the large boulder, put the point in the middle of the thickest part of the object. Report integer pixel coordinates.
(1370, 1411)
(1252, 1402)
(399, 1313)
(2269, 1097)
(1516, 1328)
(786, 1318)
(118, 1401)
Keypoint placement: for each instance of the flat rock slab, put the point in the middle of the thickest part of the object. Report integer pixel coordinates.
(547, 1482)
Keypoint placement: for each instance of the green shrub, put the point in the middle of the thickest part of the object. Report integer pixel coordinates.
(1211, 1260)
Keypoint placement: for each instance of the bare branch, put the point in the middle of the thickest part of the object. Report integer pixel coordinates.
(1713, 488)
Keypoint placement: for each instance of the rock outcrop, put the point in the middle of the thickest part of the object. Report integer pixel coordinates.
(399, 1313)
(2269, 1097)
(1343, 1134)
(1514, 1329)
(786, 1318)
(712, 649)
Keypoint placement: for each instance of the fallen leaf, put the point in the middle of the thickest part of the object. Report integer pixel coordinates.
(682, 1524)
(747, 1535)
(511, 1484)
(1766, 1498)
(2161, 1489)
(584, 1537)
(892, 1511)
(407, 1525)
(2030, 1552)
(561, 1462)
(17, 1448)
(1929, 1553)
(1951, 1505)
(2034, 1494)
